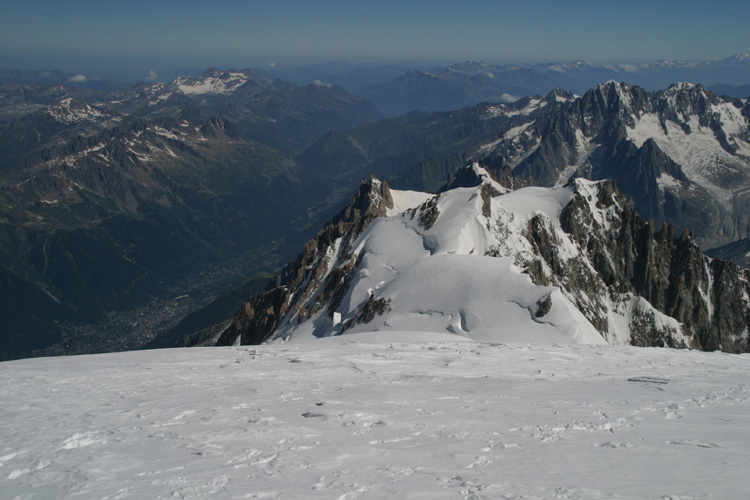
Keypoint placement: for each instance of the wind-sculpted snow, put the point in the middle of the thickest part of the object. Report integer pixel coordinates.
(383, 415)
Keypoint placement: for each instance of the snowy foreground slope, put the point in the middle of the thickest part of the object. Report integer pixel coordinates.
(378, 415)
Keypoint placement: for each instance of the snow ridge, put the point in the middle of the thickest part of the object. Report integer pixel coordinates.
(401, 249)
(463, 273)
(569, 264)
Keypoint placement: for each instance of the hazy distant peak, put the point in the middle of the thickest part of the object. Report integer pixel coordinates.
(215, 81)
(737, 59)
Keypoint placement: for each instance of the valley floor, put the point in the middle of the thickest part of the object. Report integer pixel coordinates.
(371, 416)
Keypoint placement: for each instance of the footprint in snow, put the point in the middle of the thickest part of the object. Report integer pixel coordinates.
(693, 442)
(309, 414)
(649, 380)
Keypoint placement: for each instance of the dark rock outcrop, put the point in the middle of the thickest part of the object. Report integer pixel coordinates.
(708, 297)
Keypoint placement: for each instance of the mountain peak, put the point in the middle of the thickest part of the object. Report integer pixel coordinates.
(737, 59)
(613, 84)
(474, 175)
(613, 94)
(559, 95)
(682, 86)
(372, 199)
(571, 264)
(71, 111)
(215, 81)
(470, 65)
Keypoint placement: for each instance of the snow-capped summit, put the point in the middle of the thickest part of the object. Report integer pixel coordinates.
(215, 82)
(570, 264)
(71, 111)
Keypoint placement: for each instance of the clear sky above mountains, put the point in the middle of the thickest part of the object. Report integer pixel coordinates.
(129, 39)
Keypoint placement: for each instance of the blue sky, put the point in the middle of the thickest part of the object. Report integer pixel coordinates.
(136, 36)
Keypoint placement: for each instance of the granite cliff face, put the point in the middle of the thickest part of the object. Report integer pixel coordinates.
(631, 258)
(589, 260)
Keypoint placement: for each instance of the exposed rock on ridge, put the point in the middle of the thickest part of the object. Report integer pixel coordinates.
(680, 155)
(306, 285)
(709, 298)
(634, 284)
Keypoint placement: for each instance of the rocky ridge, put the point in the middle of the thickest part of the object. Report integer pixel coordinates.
(680, 155)
(317, 278)
(633, 283)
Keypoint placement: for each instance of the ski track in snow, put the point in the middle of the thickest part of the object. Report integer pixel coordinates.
(351, 417)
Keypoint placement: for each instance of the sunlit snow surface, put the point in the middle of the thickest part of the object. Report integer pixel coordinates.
(372, 416)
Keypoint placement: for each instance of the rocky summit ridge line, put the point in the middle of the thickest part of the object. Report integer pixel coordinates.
(571, 264)
(680, 155)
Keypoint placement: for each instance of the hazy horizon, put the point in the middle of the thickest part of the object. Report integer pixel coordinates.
(125, 42)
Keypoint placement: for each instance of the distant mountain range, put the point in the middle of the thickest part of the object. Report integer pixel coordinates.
(46, 77)
(399, 88)
(469, 83)
(108, 200)
(682, 155)
(121, 212)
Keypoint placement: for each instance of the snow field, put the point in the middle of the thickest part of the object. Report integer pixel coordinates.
(364, 416)
(404, 200)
